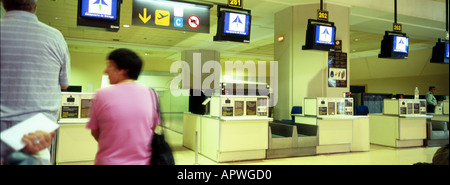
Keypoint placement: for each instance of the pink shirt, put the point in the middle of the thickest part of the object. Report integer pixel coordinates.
(126, 116)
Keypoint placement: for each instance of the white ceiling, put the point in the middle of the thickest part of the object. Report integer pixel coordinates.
(423, 20)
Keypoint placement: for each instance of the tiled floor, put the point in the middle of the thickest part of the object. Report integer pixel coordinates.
(378, 155)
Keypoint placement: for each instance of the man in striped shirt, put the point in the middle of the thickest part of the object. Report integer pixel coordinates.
(35, 66)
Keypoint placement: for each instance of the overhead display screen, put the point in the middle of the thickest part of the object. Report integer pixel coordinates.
(101, 9)
(236, 23)
(446, 51)
(401, 44)
(325, 35)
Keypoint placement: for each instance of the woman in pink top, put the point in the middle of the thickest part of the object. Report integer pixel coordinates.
(123, 117)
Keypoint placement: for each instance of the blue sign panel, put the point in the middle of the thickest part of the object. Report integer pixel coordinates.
(101, 9)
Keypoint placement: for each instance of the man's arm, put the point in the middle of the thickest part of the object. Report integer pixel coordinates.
(95, 134)
(64, 88)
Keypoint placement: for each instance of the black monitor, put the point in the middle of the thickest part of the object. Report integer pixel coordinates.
(74, 89)
(394, 45)
(440, 52)
(99, 14)
(320, 35)
(234, 25)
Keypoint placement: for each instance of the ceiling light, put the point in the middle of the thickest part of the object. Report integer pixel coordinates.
(126, 26)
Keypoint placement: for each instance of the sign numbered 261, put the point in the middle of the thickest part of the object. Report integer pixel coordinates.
(235, 3)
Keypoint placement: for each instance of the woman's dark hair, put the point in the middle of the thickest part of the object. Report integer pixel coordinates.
(26, 5)
(127, 60)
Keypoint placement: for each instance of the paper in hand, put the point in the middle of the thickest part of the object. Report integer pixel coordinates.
(13, 136)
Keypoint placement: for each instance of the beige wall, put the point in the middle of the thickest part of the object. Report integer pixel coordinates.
(87, 69)
(401, 76)
(406, 85)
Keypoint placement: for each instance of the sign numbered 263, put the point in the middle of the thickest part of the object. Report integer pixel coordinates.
(235, 3)
(398, 27)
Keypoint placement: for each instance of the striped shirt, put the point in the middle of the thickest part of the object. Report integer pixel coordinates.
(35, 63)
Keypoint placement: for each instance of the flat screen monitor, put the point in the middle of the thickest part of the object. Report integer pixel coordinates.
(325, 35)
(99, 9)
(446, 51)
(234, 26)
(395, 46)
(401, 44)
(440, 52)
(237, 24)
(320, 35)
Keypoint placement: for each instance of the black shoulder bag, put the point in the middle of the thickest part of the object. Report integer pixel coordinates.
(162, 153)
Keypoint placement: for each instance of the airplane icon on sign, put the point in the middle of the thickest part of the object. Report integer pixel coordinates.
(162, 16)
(326, 32)
(100, 3)
(237, 21)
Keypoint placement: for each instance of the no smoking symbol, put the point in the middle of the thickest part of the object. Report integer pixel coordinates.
(194, 22)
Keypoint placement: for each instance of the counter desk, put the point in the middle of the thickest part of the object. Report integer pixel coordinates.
(339, 134)
(439, 117)
(437, 130)
(74, 142)
(227, 139)
(402, 124)
(398, 131)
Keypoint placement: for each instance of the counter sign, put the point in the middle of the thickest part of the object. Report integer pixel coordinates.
(397, 27)
(322, 15)
(235, 3)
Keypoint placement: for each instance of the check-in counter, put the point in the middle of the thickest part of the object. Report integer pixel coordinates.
(441, 113)
(340, 134)
(402, 124)
(361, 134)
(445, 107)
(438, 117)
(74, 142)
(227, 139)
(397, 131)
(338, 130)
(236, 128)
(438, 126)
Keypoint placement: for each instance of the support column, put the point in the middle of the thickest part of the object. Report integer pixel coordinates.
(305, 73)
(197, 60)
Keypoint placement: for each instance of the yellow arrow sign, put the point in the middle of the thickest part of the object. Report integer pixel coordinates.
(145, 18)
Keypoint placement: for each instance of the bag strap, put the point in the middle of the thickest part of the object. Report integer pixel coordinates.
(155, 96)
